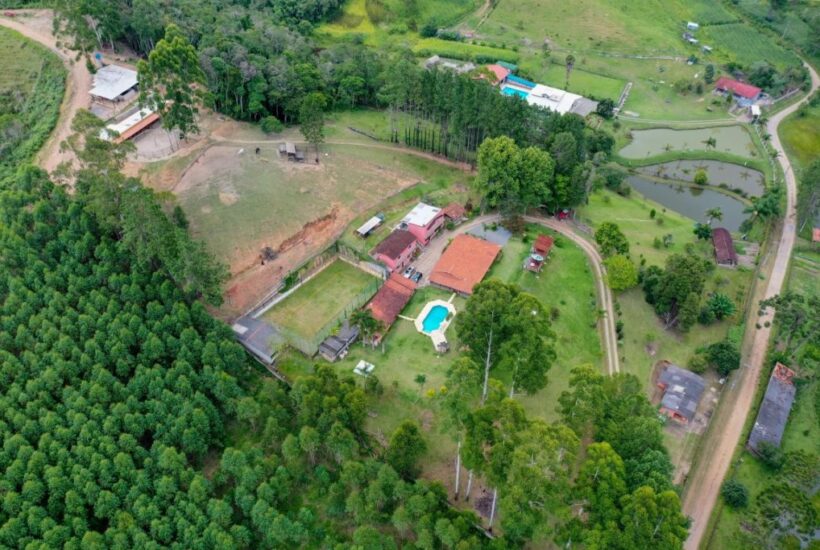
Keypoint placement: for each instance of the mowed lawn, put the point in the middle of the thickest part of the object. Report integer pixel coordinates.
(322, 299)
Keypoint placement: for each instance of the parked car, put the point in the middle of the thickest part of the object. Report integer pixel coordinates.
(408, 272)
(416, 277)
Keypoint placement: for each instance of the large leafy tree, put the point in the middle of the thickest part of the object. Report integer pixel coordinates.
(668, 290)
(621, 273)
(169, 79)
(312, 120)
(611, 240)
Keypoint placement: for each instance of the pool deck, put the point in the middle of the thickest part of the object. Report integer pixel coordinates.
(437, 336)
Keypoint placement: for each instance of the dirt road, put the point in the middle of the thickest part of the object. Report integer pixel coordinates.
(610, 340)
(35, 24)
(721, 441)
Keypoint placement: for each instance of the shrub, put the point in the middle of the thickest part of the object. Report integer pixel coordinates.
(429, 29)
(724, 357)
(698, 363)
(271, 125)
(701, 177)
(770, 455)
(735, 493)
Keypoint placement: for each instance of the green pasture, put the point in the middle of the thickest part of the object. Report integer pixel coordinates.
(743, 43)
(589, 84)
(800, 134)
(792, 22)
(426, 47)
(646, 340)
(322, 299)
(21, 61)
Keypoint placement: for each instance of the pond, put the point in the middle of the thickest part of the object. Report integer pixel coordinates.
(721, 174)
(656, 141)
(692, 202)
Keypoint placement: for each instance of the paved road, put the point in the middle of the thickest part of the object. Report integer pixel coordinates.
(610, 341)
(77, 86)
(719, 445)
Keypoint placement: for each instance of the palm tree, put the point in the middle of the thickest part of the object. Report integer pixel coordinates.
(420, 379)
(368, 325)
(714, 214)
(711, 142)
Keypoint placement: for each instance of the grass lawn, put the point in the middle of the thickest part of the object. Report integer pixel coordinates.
(21, 61)
(590, 84)
(800, 134)
(646, 341)
(322, 299)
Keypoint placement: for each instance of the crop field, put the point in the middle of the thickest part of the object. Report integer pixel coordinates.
(322, 299)
(747, 45)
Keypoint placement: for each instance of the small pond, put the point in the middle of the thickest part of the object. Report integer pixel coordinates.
(721, 174)
(692, 202)
(656, 141)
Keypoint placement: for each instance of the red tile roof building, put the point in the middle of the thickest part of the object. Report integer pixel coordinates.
(738, 88)
(500, 73)
(397, 249)
(543, 245)
(464, 264)
(391, 298)
(724, 247)
(455, 212)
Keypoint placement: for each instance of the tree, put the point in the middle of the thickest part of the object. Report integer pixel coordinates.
(724, 357)
(701, 176)
(406, 447)
(528, 352)
(511, 178)
(767, 206)
(606, 108)
(610, 240)
(798, 317)
(168, 82)
(621, 273)
(271, 125)
(735, 493)
(570, 62)
(668, 289)
(458, 397)
(720, 305)
(584, 403)
(653, 520)
(420, 380)
(771, 455)
(601, 483)
(709, 74)
(703, 231)
(312, 120)
(367, 324)
(714, 214)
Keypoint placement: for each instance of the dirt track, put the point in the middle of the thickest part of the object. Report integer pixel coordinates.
(32, 24)
(721, 440)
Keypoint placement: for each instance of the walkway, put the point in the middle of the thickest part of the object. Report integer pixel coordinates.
(720, 442)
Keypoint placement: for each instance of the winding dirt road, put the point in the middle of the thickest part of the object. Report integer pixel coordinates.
(78, 83)
(720, 443)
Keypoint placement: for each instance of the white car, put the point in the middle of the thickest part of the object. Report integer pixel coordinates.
(408, 272)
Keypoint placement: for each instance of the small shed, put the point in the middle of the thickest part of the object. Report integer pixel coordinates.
(335, 346)
(538, 253)
(724, 247)
(682, 390)
(371, 224)
(774, 410)
(455, 212)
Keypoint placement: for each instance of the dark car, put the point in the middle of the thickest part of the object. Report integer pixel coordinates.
(416, 277)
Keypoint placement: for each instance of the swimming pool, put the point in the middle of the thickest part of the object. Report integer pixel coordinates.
(434, 318)
(509, 90)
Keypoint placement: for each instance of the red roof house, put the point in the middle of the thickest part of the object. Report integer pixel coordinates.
(500, 73)
(396, 250)
(391, 299)
(740, 89)
(464, 264)
(454, 212)
(724, 247)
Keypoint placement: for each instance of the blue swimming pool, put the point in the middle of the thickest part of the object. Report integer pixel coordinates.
(434, 318)
(509, 90)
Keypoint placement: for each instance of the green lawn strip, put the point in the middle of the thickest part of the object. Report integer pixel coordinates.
(463, 50)
(590, 84)
(800, 134)
(320, 300)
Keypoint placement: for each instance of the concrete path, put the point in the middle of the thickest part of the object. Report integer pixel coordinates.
(429, 257)
(720, 442)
